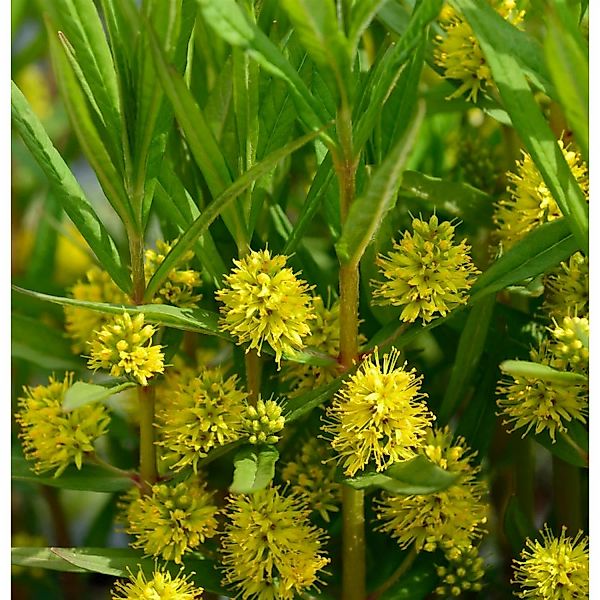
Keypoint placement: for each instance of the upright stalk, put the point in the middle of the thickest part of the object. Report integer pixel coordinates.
(567, 494)
(353, 501)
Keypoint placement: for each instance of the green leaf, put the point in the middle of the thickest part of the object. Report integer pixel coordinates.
(116, 562)
(303, 404)
(44, 346)
(517, 526)
(415, 476)
(527, 118)
(567, 60)
(416, 584)
(229, 22)
(82, 393)
(523, 368)
(91, 477)
(202, 223)
(254, 468)
(361, 15)
(453, 198)
(67, 189)
(563, 447)
(468, 354)
(538, 252)
(367, 212)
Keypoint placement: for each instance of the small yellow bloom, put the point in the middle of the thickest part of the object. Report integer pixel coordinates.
(52, 438)
(462, 573)
(571, 343)
(263, 422)
(530, 203)
(379, 414)
(557, 568)
(458, 52)
(173, 519)
(427, 273)
(124, 347)
(265, 302)
(568, 288)
(162, 586)
(179, 287)
(271, 551)
(450, 519)
(312, 475)
(202, 412)
(81, 323)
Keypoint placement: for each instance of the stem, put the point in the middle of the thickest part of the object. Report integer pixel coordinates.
(148, 469)
(567, 494)
(253, 374)
(584, 455)
(524, 477)
(409, 559)
(94, 458)
(136, 251)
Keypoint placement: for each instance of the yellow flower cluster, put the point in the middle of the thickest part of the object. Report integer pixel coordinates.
(263, 422)
(265, 302)
(459, 54)
(202, 413)
(271, 551)
(179, 287)
(379, 414)
(555, 568)
(173, 519)
(324, 337)
(124, 347)
(462, 574)
(312, 475)
(426, 272)
(530, 203)
(162, 586)
(570, 344)
(568, 288)
(81, 323)
(53, 438)
(450, 519)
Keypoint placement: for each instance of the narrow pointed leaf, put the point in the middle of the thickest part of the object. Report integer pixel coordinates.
(82, 393)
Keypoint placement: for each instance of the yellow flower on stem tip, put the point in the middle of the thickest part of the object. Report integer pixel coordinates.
(426, 273)
(568, 288)
(570, 345)
(530, 203)
(173, 519)
(449, 519)
(459, 54)
(555, 568)
(271, 551)
(262, 423)
(263, 301)
(202, 413)
(162, 586)
(178, 289)
(53, 438)
(463, 572)
(81, 323)
(124, 347)
(378, 415)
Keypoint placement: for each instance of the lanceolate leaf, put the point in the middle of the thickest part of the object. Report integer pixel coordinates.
(538, 138)
(254, 468)
(523, 368)
(82, 393)
(67, 189)
(366, 213)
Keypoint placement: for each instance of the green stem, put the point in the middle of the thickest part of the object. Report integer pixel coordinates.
(136, 251)
(94, 458)
(584, 455)
(148, 468)
(524, 476)
(253, 374)
(406, 564)
(567, 494)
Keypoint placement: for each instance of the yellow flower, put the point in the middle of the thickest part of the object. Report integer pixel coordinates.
(53, 438)
(450, 519)
(81, 323)
(557, 568)
(178, 289)
(172, 520)
(379, 414)
(462, 573)
(428, 274)
(262, 423)
(271, 551)
(265, 302)
(568, 288)
(202, 413)
(458, 52)
(124, 347)
(571, 343)
(538, 404)
(162, 586)
(530, 203)
(310, 476)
